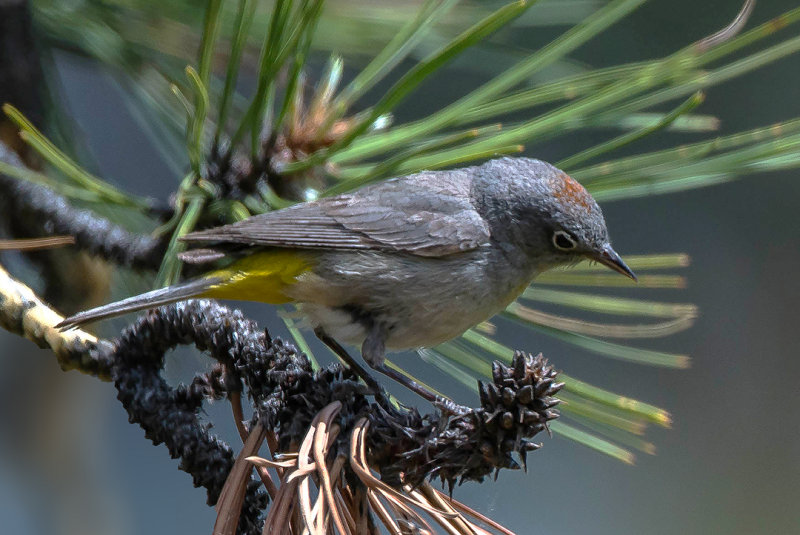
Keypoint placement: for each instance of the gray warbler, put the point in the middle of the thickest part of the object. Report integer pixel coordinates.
(409, 262)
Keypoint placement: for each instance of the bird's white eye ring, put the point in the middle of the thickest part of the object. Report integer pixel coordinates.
(563, 241)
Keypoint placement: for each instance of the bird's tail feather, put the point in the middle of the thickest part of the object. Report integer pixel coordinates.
(162, 296)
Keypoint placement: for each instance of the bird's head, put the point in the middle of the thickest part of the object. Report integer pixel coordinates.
(550, 214)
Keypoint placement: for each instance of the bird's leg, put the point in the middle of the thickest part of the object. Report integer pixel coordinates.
(374, 352)
(359, 370)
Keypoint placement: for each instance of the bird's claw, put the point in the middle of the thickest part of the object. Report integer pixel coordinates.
(449, 407)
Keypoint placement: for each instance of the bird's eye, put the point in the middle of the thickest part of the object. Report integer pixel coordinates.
(563, 241)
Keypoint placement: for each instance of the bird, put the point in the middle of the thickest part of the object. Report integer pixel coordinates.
(409, 262)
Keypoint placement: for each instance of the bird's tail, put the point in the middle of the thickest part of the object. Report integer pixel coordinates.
(162, 296)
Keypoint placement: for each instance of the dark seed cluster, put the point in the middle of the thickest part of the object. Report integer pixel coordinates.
(170, 415)
(287, 394)
(468, 446)
(516, 407)
(234, 174)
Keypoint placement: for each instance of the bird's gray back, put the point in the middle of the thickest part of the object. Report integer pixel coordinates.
(428, 214)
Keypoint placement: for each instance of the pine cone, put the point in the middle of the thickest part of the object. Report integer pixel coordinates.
(517, 407)
(470, 445)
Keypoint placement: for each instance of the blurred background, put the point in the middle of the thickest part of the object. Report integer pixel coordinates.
(71, 463)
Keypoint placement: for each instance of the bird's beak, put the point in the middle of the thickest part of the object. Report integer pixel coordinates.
(609, 258)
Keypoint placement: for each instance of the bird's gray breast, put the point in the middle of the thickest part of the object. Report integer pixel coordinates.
(418, 301)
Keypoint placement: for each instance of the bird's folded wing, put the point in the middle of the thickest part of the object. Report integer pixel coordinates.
(389, 216)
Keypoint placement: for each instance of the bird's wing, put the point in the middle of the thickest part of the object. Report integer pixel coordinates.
(395, 215)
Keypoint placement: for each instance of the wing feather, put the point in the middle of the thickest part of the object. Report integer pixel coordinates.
(403, 215)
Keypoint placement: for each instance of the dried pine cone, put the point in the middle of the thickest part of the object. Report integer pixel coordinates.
(469, 446)
(517, 406)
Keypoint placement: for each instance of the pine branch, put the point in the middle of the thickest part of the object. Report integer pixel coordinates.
(286, 395)
(33, 206)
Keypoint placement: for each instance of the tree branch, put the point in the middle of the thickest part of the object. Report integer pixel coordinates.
(33, 206)
(23, 313)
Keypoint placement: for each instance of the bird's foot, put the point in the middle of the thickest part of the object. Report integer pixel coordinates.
(445, 405)
(449, 407)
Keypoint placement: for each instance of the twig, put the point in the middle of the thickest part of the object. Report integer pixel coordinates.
(36, 244)
(232, 496)
(23, 313)
(42, 208)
